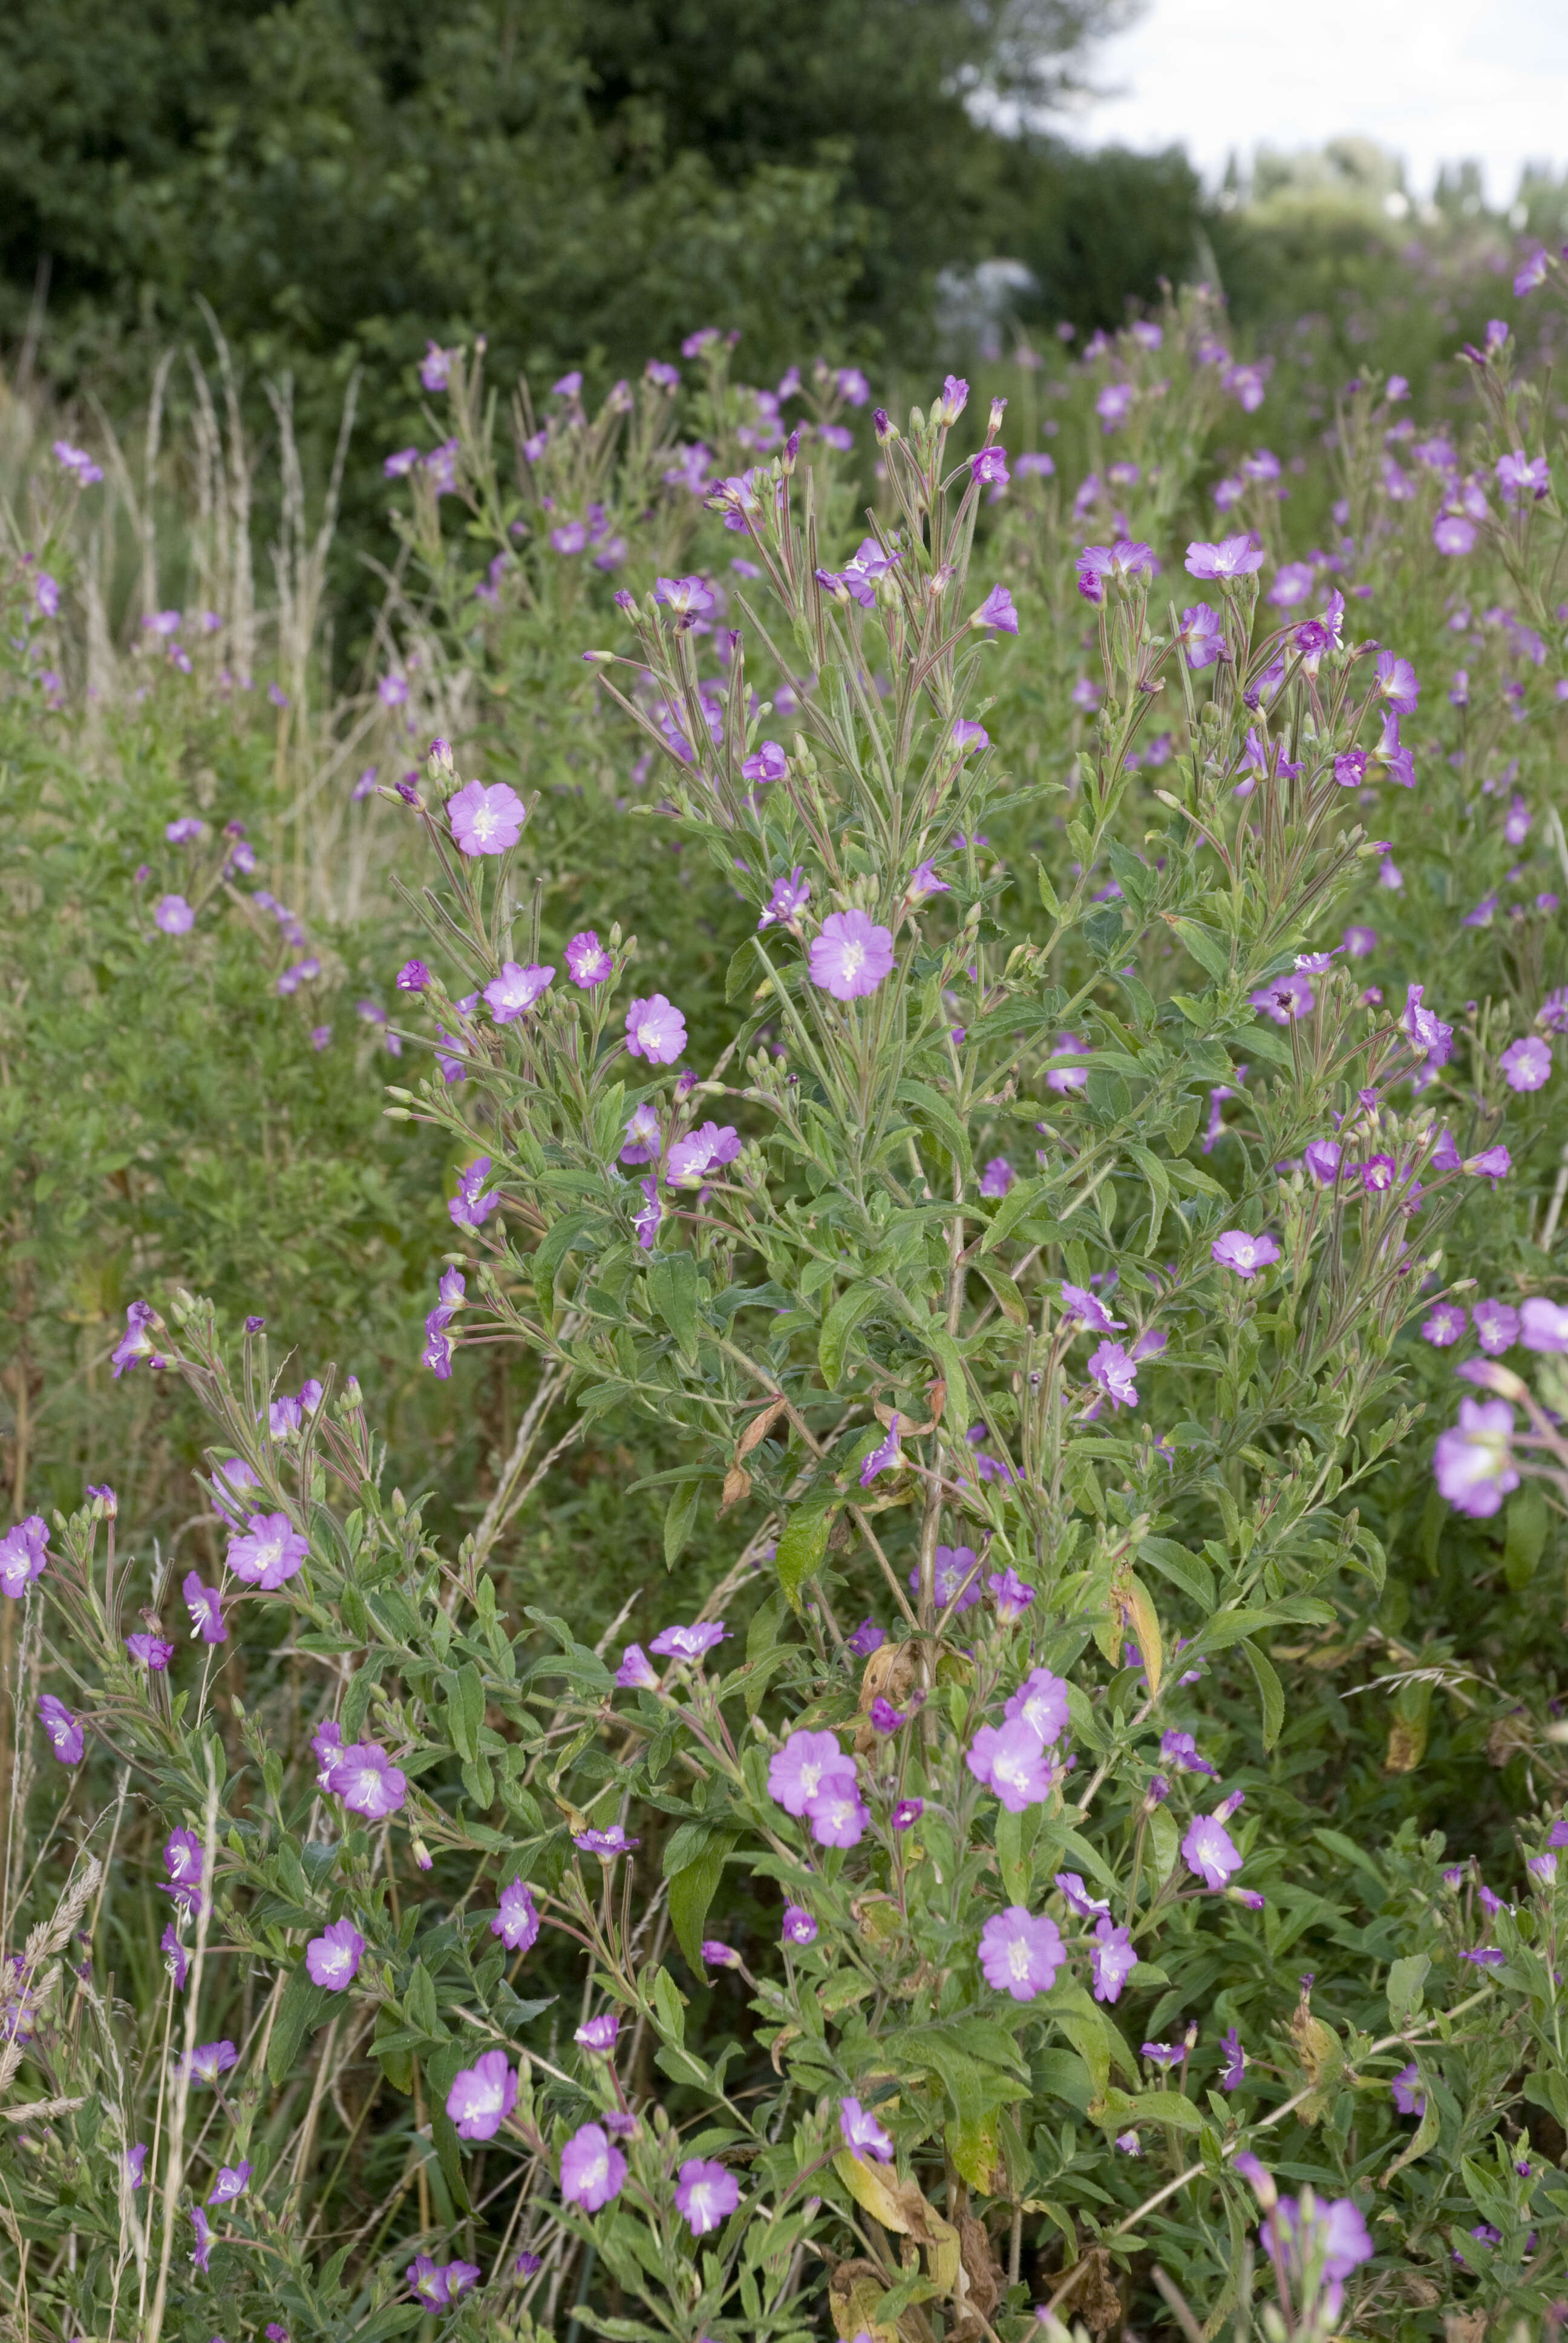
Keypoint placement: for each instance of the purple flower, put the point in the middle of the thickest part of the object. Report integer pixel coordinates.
(851, 955)
(693, 1158)
(367, 1782)
(1425, 1030)
(1244, 1253)
(1493, 1164)
(886, 1457)
(1396, 683)
(642, 1137)
(177, 1959)
(203, 2228)
(835, 1812)
(204, 1605)
(1078, 1897)
(647, 1222)
(62, 1730)
(655, 1031)
(516, 1923)
(174, 915)
(689, 1643)
(1164, 2054)
(768, 762)
(483, 2095)
(1179, 1749)
(1322, 1158)
(1485, 1957)
(1526, 1064)
(1129, 2143)
(1496, 1327)
(1234, 2072)
(968, 737)
(78, 463)
(598, 2035)
(1111, 1960)
(1286, 998)
(183, 1862)
(1543, 1324)
(208, 2060)
(1009, 1760)
(1067, 1078)
(233, 2180)
(997, 1178)
(150, 1652)
(1019, 1954)
(688, 598)
(997, 612)
(867, 1638)
(515, 991)
(1201, 635)
(636, 1671)
(588, 963)
(1209, 1851)
(1011, 1595)
(1542, 1869)
(1088, 1311)
(797, 1772)
(486, 820)
(989, 469)
(269, 1554)
(333, 1958)
(1520, 477)
(954, 1564)
(412, 977)
(606, 1844)
(1113, 1369)
(788, 900)
(1408, 2095)
(1041, 1702)
(1233, 557)
(907, 1813)
(23, 1556)
(863, 2135)
(1338, 2235)
(705, 2195)
(800, 1927)
(1473, 1460)
(885, 1717)
(441, 2286)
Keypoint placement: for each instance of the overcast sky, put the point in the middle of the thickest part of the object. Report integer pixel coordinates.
(1434, 80)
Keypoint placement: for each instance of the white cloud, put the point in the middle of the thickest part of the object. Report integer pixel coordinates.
(1434, 81)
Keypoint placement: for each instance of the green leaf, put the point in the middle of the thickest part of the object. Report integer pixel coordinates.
(1527, 1523)
(852, 1305)
(299, 2011)
(1186, 1570)
(673, 1287)
(744, 974)
(669, 2010)
(1405, 1980)
(1085, 2029)
(931, 1107)
(554, 1247)
(1210, 949)
(465, 1692)
(691, 1891)
(1021, 1199)
(800, 1549)
(1270, 1688)
(678, 1519)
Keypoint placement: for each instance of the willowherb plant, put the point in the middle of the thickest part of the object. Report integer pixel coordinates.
(1038, 1432)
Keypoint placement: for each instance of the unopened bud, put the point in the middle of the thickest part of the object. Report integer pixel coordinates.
(440, 761)
(598, 659)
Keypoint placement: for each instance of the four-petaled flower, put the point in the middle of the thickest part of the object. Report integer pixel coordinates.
(863, 2135)
(515, 991)
(1473, 1460)
(655, 1029)
(62, 1730)
(851, 955)
(588, 963)
(1111, 1960)
(1233, 557)
(516, 1923)
(1209, 1851)
(689, 1643)
(1110, 1367)
(269, 1554)
(367, 1782)
(1526, 1064)
(997, 612)
(486, 820)
(483, 2095)
(333, 1958)
(691, 1159)
(204, 1605)
(1244, 1253)
(1019, 1954)
(705, 2195)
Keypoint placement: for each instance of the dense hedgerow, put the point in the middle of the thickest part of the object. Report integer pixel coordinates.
(985, 1055)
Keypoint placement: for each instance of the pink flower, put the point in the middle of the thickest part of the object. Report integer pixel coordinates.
(516, 1923)
(516, 990)
(851, 955)
(62, 1730)
(1011, 1595)
(997, 612)
(1113, 1369)
(1244, 1253)
(367, 1782)
(333, 1958)
(269, 1554)
(767, 763)
(150, 1652)
(1209, 1851)
(1111, 1960)
(1019, 1954)
(968, 738)
(692, 1159)
(1473, 1460)
(863, 2135)
(174, 915)
(591, 2170)
(1447, 1324)
(483, 2095)
(837, 1816)
(1526, 1064)
(1041, 1702)
(689, 1643)
(705, 2195)
(1233, 557)
(1008, 1759)
(655, 1029)
(204, 1605)
(798, 1771)
(1543, 1324)
(486, 820)
(588, 963)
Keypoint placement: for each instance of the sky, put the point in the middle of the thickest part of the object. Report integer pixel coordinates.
(1433, 80)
